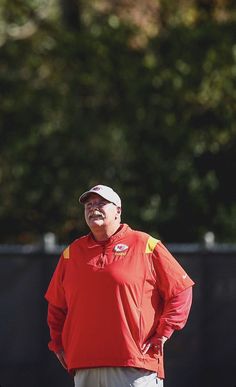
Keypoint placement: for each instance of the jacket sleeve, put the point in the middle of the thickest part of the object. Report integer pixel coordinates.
(172, 279)
(56, 318)
(175, 288)
(55, 294)
(57, 305)
(175, 313)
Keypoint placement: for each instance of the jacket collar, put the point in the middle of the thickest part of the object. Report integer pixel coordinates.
(118, 234)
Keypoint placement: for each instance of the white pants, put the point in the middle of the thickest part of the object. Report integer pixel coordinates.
(116, 377)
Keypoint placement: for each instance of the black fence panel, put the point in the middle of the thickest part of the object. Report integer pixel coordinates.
(203, 354)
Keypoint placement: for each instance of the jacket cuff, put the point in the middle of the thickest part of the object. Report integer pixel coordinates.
(55, 347)
(166, 331)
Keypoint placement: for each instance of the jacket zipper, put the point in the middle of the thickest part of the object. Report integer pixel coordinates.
(102, 258)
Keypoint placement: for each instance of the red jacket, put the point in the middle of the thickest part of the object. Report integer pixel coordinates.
(107, 299)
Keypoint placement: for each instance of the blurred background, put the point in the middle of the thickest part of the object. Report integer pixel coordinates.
(139, 95)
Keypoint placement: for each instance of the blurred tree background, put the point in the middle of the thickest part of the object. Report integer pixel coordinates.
(139, 95)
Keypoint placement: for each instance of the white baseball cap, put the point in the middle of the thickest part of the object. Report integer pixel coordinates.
(105, 192)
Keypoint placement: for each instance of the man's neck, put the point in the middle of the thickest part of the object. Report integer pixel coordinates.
(102, 235)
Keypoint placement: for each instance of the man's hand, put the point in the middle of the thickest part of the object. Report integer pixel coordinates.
(156, 343)
(61, 358)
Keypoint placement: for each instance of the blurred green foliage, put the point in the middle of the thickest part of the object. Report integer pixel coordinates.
(82, 102)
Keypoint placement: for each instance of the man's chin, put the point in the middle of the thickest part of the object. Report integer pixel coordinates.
(96, 222)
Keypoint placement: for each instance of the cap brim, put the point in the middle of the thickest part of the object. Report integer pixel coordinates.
(84, 196)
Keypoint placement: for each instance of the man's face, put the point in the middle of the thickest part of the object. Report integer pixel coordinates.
(99, 212)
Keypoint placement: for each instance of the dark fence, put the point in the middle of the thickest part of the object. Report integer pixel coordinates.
(203, 354)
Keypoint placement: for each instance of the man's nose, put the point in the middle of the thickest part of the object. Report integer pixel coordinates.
(95, 205)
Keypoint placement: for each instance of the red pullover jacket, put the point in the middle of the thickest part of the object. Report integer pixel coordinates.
(107, 299)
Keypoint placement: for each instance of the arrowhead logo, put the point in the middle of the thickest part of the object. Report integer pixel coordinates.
(120, 248)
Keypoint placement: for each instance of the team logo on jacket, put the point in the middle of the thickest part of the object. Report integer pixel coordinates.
(120, 248)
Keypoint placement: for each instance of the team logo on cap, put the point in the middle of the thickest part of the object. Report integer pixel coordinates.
(120, 248)
(97, 188)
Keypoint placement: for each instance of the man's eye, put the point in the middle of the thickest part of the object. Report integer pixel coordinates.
(99, 204)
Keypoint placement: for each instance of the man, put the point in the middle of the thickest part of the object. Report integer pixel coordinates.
(114, 299)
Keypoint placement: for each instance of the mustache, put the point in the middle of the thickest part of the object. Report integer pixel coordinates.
(96, 213)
